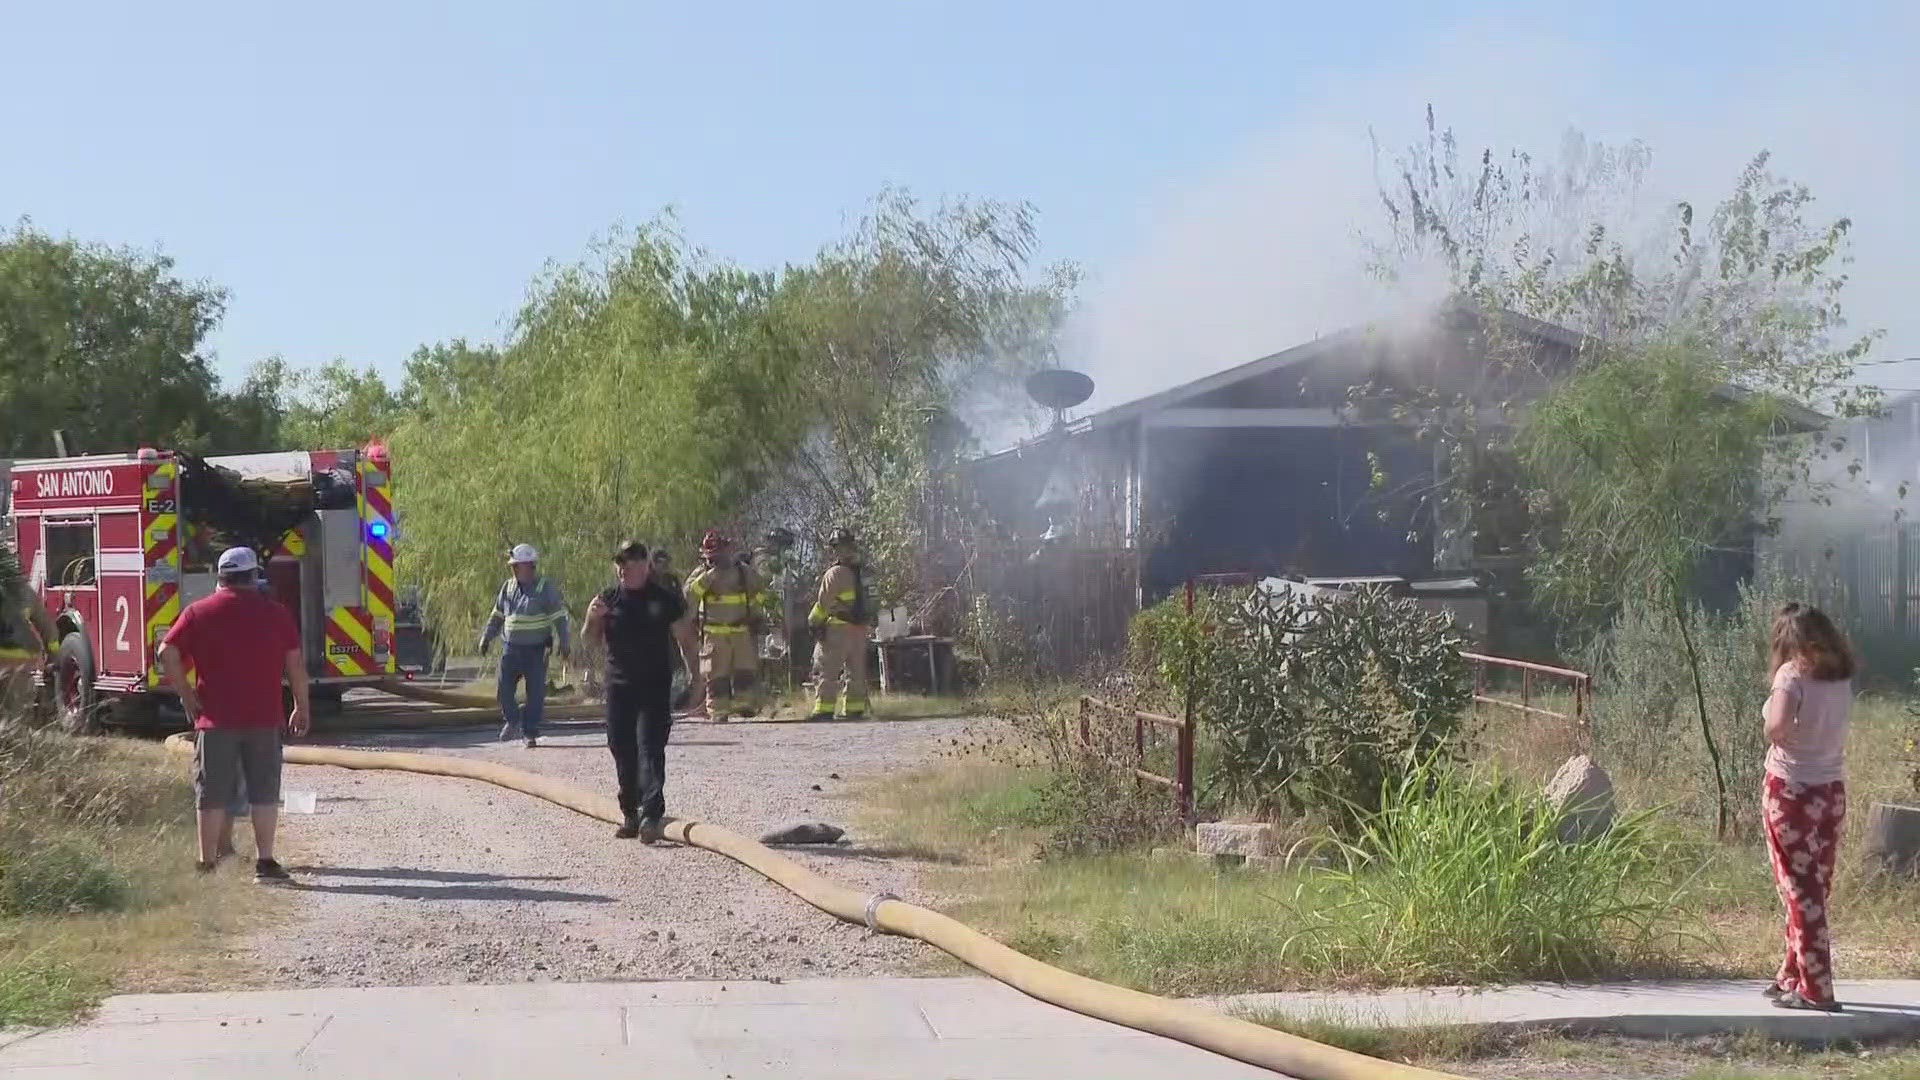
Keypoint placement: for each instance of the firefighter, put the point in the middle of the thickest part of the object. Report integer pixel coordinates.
(27, 635)
(785, 638)
(724, 597)
(842, 618)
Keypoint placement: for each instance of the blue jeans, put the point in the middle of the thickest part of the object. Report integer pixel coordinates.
(527, 662)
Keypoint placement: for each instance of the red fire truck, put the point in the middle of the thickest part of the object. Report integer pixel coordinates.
(115, 546)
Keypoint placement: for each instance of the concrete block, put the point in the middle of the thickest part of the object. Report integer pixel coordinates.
(1233, 838)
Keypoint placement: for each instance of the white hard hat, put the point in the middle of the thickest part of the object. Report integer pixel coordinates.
(523, 553)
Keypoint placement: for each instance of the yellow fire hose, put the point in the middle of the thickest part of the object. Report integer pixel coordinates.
(1191, 1024)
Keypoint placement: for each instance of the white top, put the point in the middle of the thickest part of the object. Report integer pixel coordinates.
(1813, 750)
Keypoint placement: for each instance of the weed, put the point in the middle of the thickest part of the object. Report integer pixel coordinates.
(58, 878)
(97, 885)
(1462, 879)
(41, 987)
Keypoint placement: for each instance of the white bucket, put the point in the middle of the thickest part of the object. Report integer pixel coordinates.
(299, 802)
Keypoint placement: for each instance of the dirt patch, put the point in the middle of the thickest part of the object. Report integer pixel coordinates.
(416, 880)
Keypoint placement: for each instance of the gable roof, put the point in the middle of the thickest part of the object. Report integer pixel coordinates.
(1800, 418)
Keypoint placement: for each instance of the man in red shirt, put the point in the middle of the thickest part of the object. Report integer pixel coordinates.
(239, 641)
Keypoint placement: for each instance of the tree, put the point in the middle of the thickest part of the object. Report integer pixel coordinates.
(1578, 245)
(1642, 467)
(105, 344)
(889, 342)
(630, 400)
(336, 406)
(651, 390)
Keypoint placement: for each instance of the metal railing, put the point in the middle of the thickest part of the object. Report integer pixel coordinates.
(1181, 782)
(1580, 683)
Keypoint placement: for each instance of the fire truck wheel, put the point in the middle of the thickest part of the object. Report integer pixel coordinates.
(76, 706)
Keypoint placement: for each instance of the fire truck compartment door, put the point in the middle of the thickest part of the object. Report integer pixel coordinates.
(340, 559)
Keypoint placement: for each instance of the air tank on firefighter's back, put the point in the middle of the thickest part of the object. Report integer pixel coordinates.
(1059, 389)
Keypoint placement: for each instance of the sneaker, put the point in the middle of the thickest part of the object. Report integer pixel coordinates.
(532, 742)
(507, 731)
(269, 872)
(651, 831)
(628, 829)
(1774, 992)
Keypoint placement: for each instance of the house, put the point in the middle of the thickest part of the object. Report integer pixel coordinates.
(1848, 538)
(1292, 463)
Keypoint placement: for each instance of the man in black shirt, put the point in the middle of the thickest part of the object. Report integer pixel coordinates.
(634, 620)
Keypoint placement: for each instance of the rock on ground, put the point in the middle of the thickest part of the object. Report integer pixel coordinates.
(1582, 794)
(405, 879)
(804, 832)
(1233, 838)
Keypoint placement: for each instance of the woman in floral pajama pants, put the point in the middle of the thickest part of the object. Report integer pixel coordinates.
(1803, 836)
(1804, 799)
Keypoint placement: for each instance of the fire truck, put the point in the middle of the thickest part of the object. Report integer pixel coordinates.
(117, 545)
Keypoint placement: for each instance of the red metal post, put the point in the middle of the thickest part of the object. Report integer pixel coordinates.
(1183, 788)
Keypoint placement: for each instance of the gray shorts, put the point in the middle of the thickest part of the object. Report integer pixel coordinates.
(222, 757)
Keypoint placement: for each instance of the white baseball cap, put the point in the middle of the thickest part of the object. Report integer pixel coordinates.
(237, 560)
(523, 553)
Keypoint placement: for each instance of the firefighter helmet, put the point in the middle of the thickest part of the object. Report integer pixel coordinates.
(714, 542)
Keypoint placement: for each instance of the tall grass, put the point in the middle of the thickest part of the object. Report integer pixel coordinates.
(1459, 878)
(96, 874)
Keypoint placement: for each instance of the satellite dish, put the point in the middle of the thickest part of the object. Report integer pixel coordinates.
(1059, 390)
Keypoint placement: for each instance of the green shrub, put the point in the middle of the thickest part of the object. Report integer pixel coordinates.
(1645, 716)
(1461, 879)
(1912, 743)
(1310, 705)
(58, 879)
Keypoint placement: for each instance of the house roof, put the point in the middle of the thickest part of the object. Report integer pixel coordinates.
(1802, 419)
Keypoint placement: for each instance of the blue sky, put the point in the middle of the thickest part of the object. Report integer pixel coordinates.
(367, 177)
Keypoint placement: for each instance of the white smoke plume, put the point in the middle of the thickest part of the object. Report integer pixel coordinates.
(1263, 253)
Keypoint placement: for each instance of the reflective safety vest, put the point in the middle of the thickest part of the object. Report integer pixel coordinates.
(530, 615)
(724, 597)
(22, 618)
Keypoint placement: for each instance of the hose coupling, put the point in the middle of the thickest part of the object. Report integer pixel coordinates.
(873, 907)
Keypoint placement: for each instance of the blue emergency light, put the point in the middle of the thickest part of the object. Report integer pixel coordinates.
(378, 530)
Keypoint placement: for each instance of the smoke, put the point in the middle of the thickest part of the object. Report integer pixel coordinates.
(1264, 252)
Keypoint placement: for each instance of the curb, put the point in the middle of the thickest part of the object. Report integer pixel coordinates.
(1875, 1010)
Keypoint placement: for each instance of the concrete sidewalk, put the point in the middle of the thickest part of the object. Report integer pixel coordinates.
(821, 1029)
(1879, 1009)
(825, 1029)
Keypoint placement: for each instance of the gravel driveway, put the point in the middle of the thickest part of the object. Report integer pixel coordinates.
(414, 880)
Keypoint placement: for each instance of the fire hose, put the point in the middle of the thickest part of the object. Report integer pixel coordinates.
(882, 912)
